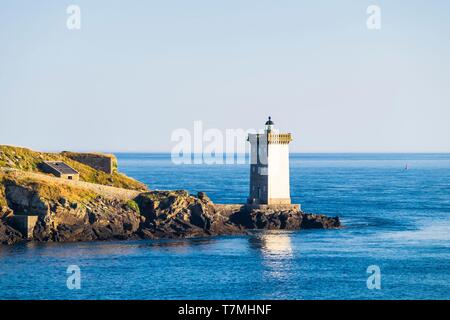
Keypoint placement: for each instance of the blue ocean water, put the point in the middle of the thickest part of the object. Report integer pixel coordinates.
(396, 219)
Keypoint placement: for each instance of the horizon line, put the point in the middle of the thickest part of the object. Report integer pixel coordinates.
(50, 150)
(292, 152)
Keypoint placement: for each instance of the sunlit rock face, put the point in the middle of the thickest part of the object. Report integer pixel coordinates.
(153, 215)
(8, 235)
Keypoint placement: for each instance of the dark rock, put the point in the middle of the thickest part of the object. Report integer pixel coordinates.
(25, 200)
(202, 196)
(9, 235)
(5, 213)
(161, 214)
(259, 219)
(63, 201)
(316, 221)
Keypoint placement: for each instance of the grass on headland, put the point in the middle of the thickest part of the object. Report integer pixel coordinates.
(3, 202)
(46, 189)
(131, 204)
(29, 160)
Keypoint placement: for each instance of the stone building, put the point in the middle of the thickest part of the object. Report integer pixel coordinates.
(60, 169)
(269, 167)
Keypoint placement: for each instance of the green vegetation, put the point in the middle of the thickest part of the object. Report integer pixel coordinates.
(163, 195)
(50, 190)
(163, 199)
(131, 204)
(3, 202)
(28, 160)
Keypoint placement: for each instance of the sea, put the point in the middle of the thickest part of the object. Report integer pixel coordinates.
(395, 243)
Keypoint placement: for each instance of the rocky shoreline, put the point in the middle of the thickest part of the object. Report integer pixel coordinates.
(152, 215)
(35, 206)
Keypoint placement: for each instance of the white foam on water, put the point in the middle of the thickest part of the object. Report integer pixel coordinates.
(438, 231)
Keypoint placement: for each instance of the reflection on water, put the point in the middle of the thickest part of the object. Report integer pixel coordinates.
(180, 242)
(72, 250)
(177, 245)
(99, 248)
(276, 251)
(272, 243)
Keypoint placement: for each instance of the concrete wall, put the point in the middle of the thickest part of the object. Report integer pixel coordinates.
(25, 224)
(102, 162)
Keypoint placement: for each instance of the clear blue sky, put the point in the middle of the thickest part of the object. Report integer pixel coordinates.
(137, 70)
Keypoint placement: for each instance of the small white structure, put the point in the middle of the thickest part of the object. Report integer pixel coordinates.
(269, 167)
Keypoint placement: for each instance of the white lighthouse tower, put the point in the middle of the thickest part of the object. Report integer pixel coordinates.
(269, 167)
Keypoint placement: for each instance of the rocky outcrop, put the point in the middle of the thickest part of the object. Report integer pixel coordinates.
(256, 218)
(151, 215)
(283, 219)
(63, 215)
(176, 214)
(101, 219)
(8, 235)
(318, 221)
(25, 200)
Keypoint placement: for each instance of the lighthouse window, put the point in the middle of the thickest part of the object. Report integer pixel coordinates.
(262, 171)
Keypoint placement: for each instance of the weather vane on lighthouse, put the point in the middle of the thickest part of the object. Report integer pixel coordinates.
(269, 168)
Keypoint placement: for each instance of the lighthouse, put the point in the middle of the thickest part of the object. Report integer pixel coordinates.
(269, 167)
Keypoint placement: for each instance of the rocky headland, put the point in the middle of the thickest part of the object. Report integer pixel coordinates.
(104, 206)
